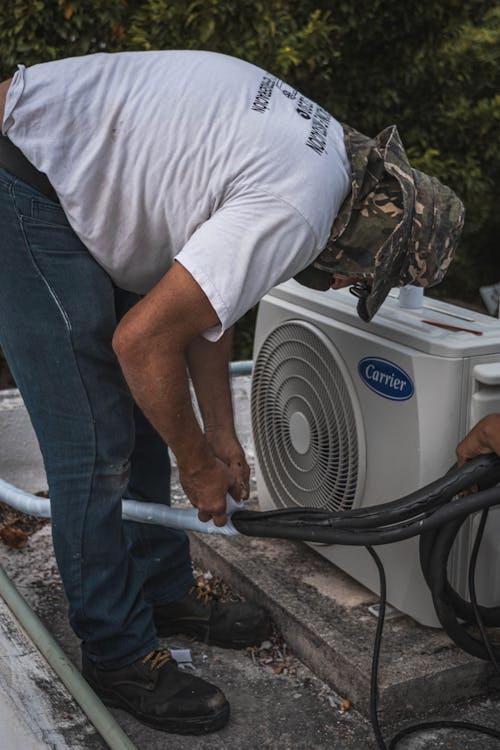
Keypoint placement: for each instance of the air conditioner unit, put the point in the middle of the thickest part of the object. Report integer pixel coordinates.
(347, 414)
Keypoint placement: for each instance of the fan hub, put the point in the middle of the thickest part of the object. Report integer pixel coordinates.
(300, 432)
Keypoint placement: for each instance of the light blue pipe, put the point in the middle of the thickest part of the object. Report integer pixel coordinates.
(155, 513)
(244, 367)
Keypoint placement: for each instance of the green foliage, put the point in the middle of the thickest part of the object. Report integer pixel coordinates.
(34, 31)
(431, 67)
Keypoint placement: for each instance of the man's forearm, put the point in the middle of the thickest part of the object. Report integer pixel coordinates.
(209, 368)
(151, 342)
(158, 381)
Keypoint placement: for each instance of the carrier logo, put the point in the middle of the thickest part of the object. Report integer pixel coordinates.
(386, 378)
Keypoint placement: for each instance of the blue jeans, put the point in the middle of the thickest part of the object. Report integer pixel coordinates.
(58, 312)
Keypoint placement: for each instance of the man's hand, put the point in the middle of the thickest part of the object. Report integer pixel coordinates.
(227, 448)
(483, 438)
(207, 489)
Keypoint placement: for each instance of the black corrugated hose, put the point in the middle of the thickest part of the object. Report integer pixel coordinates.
(435, 513)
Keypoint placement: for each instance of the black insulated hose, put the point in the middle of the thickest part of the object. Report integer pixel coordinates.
(435, 514)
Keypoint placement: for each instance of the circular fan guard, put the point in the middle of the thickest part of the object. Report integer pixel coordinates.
(306, 420)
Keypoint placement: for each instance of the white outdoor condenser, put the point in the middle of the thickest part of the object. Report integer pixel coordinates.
(348, 414)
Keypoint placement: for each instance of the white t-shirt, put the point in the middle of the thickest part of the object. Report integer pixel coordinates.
(187, 155)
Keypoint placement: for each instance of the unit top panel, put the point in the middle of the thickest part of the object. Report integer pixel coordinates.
(437, 328)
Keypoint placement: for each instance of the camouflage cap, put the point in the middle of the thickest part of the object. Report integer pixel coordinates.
(397, 226)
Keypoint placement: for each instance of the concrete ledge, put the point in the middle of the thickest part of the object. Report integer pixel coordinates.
(20, 460)
(324, 617)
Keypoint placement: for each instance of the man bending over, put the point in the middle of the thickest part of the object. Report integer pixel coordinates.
(147, 201)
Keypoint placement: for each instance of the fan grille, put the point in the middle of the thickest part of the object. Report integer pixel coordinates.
(304, 422)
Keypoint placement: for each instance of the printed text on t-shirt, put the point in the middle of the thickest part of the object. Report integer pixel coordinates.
(305, 108)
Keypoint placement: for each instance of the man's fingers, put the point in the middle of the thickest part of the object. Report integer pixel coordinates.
(215, 512)
(471, 446)
(207, 491)
(220, 519)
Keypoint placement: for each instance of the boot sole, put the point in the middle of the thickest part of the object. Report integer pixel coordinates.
(205, 638)
(194, 725)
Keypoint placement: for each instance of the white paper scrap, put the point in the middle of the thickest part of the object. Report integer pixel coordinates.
(182, 655)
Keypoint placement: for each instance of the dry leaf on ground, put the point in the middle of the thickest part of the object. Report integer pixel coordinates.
(12, 537)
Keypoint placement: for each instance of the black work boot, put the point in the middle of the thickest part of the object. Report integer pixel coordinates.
(158, 693)
(225, 624)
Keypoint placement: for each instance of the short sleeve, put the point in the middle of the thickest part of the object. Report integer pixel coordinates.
(249, 245)
(14, 93)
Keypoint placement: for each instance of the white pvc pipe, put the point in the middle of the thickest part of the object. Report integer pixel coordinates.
(133, 510)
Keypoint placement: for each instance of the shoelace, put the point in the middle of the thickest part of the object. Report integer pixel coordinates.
(157, 658)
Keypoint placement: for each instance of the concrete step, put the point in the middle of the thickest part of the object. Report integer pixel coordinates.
(324, 617)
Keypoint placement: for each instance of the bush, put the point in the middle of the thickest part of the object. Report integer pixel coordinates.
(431, 67)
